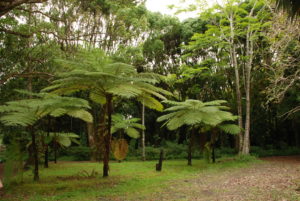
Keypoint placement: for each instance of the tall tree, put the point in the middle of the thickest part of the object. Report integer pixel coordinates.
(233, 36)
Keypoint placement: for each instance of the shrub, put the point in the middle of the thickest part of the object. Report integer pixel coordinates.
(76, 153)
(245, 158)
(270, 151)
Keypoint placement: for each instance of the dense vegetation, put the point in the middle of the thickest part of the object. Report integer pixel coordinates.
(94, 80)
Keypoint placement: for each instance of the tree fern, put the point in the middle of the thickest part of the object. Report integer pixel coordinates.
(107, 80)
(28, 112)
(195, 113)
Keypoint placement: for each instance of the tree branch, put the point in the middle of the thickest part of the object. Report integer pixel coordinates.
(8, 5)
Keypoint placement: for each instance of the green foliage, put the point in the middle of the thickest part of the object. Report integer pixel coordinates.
(271, 151)
(76, 153)
(195, 112)
(230, 128)
(28, 111)
(62, 139)
(127, 125)
(207, 152)
(93, 71)
(15, 154)
(172, 150)
(246, 158)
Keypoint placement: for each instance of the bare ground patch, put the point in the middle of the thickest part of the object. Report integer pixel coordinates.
(276, 179)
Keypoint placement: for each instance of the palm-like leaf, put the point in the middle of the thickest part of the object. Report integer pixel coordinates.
(95, 72)
(230, 128)
(128, 126)
(62, 139)
(195, 112)
(28, 111)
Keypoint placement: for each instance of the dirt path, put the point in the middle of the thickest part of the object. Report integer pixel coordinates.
(278, 179)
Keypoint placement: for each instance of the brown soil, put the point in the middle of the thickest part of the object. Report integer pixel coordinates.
(278, 179)
(283, 159)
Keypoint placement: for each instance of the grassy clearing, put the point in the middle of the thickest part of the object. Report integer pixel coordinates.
(60, 181)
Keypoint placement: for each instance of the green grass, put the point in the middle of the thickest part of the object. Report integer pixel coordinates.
(125, 180)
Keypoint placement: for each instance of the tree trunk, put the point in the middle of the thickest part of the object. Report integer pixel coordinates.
(246, 143)
(296, 132)
(46, 159)
(91, 140)
(143, 134)
(213, 141)
(190, 147)
(107, 137)
(55, 152)
(213, 155)
(159, 164)
(234, 63)
(249, 55)
(46, 162)
(35, 155)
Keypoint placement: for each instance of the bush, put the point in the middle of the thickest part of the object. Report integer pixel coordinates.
(270, 151)
(246, 158)
(76, 154)
(171, 151)
(175, 151)
(224, 152)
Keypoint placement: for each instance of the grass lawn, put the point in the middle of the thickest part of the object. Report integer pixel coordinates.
(65, 180)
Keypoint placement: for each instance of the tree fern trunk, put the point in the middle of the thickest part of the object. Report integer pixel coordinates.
(46, 162)
(46, 159)
(35, 155)
(190, 147)
(213, 154)
(55, 152)
(143, 133)
(159, 164)
(107, 137)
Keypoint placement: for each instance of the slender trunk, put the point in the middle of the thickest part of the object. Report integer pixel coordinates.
(143, 134)
(46, 159)
(107, 137)
(35, 155)
(234, 63)
(246, 143)
(213, 155)
(238, 100)
(190, 147)
(55, 152)
(159, 164)
(213, 141)
(46, 162)
(296, 132)
(249, 54)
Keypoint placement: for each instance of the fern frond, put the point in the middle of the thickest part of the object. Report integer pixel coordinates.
(230, 128)
(81, 114)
